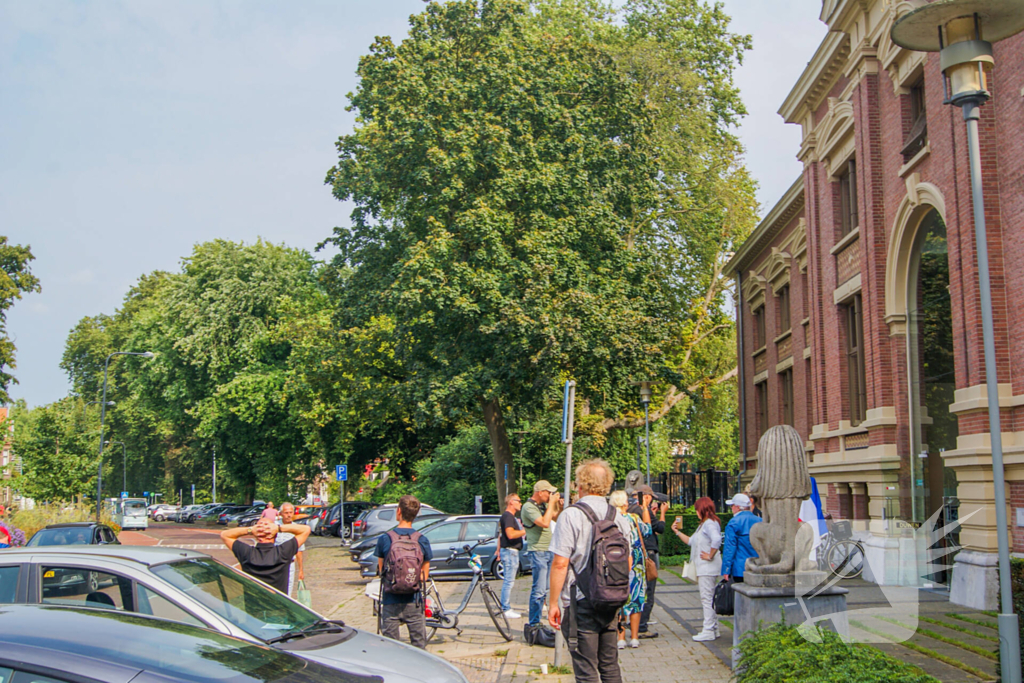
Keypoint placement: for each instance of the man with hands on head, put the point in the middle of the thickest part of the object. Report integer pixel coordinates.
(265, 561)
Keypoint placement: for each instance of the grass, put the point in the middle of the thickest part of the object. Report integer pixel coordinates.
(500, 653)
(990, 612)
(554, 670)
(958, 627)
(988, 654)
(970, 620)
(923, 650)
(726, 622)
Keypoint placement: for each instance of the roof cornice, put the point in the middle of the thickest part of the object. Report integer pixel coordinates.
(817, 77)
(777, 218)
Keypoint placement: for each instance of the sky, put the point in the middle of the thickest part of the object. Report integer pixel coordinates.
(130, 131)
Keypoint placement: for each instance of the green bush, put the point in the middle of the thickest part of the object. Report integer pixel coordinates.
(779, 654)
(1017, 586)
(669, 543)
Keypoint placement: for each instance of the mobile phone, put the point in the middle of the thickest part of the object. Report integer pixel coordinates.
(679, 520)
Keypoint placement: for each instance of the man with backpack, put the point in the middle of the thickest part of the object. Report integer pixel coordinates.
(590, 542)
(404, 565)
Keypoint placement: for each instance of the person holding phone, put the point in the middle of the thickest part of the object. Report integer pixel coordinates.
(705, 544)
(650, 507)
(538, 515)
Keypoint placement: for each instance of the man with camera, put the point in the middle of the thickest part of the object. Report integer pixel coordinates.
(539, 514)
(651, 508)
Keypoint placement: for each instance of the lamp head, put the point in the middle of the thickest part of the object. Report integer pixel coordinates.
(645, 392)
(962, 32)
(148, 354)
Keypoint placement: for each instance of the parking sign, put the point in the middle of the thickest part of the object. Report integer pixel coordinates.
(341, 472)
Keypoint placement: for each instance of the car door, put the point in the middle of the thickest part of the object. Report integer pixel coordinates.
(442, 538)
(480, 530)
(13, 584)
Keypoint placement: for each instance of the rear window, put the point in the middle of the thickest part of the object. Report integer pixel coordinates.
(387, 515)
(8, 584)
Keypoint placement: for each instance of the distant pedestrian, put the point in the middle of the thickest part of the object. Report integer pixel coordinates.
(538, 516)
(403, 563)
(589, 628)
(632, 610)
(269, 513)
(736, 548)
(705, 544)
(650, 508)
(265, 561)
(287, 517)
(509, 544)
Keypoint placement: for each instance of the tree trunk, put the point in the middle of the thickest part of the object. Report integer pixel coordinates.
(500, 446)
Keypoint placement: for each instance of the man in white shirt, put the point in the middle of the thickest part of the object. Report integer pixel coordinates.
(596, 657)
(287, 517)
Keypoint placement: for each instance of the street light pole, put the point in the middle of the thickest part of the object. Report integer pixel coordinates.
(645, 400)
(124, 454)
(954, 29)
(215, 473)
(103, 417)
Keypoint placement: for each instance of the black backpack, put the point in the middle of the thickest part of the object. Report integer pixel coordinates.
(605, 580)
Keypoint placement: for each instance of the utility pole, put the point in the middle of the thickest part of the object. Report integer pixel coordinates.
(215, 473)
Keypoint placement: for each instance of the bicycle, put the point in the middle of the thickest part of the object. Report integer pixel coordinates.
(839, 553)
(439, 617)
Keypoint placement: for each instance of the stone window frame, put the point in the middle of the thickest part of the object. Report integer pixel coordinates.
(853, 311)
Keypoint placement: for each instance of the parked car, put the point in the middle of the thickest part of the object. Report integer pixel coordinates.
(211, 514)
(231, 514)
(162, 511)
(73, 533)
(455, 532)
(50, 644)
(191, 517)
(180, 514)
(191, 587)
(330, 524)
(422, 520)
(380, 519)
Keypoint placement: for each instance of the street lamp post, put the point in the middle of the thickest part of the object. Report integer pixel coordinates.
(962, 32)
(103, 417)
(645, 401)
(124, 454)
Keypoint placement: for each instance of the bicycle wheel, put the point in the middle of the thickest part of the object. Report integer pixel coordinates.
(495, 611)
(432, 601)
(846, 559)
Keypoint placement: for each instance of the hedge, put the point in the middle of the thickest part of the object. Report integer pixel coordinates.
(669, 543)
(779, 654)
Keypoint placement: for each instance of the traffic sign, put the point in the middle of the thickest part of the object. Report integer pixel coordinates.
(145, 494)
(124, 494)
(341, 472)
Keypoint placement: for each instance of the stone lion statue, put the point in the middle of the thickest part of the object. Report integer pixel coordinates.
(782, 482)
(633, 479)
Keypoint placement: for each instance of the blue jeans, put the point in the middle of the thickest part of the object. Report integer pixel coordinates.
(540, 561)
(510, 565)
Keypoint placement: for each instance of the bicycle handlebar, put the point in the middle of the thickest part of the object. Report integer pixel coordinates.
(466, 549)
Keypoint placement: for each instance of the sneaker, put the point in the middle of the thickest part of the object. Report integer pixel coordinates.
(705, 635)
(622, 645)
(510, 614)
(634, 643)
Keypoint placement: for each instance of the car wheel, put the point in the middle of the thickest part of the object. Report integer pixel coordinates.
(93, 582)
(158, 518)
(497, 569)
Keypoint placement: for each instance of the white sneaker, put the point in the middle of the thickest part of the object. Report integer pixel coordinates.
(634, 643)
(705, 635)
(622, 645)
(510, 614)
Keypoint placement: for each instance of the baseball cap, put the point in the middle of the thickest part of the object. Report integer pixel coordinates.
(544, 485)
(741, 499)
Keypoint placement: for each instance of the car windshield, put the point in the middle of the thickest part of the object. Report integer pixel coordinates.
(247, 603)
(133, 506)
(68, 536)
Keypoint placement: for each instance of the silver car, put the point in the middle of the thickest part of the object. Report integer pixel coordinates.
(192, 587)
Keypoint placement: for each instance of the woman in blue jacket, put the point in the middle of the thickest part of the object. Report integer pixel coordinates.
(736, 547)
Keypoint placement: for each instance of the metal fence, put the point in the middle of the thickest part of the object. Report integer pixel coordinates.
(684, 488)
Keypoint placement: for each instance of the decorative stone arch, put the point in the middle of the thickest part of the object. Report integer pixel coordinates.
(919, 200)
(777, 269)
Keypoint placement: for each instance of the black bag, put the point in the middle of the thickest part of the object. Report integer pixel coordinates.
(539, 635)
(724, 598)
(605, 581)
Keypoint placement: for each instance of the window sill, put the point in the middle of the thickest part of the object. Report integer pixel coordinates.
(845, 241)
(906, 168)
(783, 336)
(806, 321)
(759, 351)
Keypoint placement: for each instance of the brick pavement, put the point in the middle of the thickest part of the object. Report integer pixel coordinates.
(483, 655)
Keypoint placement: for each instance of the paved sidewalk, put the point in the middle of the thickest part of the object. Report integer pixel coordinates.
(485, 656)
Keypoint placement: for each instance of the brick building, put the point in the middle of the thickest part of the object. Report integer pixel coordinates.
(858, 306)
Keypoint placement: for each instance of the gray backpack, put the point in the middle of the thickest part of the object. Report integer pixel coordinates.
(403, 564)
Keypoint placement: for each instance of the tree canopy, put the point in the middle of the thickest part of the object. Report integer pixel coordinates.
(16, 279)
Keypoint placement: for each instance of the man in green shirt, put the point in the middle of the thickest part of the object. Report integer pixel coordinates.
(538, 515)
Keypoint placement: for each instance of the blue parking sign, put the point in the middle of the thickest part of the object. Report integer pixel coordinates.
(341, 472)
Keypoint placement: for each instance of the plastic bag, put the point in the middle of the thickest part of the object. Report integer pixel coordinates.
(303, 595)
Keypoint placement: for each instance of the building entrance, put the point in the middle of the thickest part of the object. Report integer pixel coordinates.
(932, 371)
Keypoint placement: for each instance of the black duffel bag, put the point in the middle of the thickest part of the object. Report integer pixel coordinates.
(724, 598)
(539, 635)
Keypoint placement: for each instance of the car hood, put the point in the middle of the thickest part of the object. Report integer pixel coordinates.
(367, 653)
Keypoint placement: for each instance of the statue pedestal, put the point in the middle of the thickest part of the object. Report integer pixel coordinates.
(757, 606)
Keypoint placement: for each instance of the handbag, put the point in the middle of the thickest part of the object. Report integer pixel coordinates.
(303, 595)
(724, 599)
(539, 635)
(690, 571)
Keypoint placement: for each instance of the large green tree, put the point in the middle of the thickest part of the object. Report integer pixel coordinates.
(57, 444)
(16, 279)
(499, 175)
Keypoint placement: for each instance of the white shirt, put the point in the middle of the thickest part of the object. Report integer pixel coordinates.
(707, 536)
(574, 533)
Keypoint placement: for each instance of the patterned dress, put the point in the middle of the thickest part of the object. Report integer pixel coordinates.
(638, 574)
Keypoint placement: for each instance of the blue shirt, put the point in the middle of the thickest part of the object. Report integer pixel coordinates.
(736, 548)
(384, 546)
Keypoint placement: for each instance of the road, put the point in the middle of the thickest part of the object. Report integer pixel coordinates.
(187, 536)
